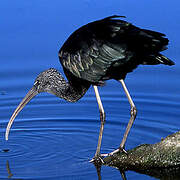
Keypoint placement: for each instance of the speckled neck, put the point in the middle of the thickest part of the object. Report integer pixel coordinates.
(71, 90)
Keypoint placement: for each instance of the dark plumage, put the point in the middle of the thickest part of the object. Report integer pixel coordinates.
(105, 49)
(110, 48)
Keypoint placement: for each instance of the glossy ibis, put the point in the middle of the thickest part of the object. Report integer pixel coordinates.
(101, 50)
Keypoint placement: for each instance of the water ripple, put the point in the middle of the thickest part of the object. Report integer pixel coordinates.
(45, 135)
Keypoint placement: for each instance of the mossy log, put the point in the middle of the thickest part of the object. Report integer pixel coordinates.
(163, 156)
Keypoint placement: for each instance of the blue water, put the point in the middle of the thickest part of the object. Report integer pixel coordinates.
(52, 139)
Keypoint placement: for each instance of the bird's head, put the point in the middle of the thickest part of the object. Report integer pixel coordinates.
(47, 81)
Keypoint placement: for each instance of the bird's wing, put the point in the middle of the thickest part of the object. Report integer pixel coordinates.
(92, 49)
(93, 63)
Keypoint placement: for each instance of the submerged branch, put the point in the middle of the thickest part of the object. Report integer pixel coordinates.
(149, 158)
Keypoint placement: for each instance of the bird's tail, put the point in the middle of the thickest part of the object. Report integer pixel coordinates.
(164, 60)
(158, 59)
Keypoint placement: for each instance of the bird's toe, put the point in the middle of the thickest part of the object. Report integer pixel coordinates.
(122, 150)
(98, 159)
(118, 150)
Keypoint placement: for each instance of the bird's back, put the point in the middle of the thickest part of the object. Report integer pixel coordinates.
(110, 48)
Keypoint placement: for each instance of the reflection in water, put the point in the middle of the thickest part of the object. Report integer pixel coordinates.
(165, 173)
(123, 175)
(8, 170)
(171, 173)
(98, 169)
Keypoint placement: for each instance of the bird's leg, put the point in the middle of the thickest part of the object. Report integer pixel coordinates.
(132, 118)
(102, 118)
(133, 114)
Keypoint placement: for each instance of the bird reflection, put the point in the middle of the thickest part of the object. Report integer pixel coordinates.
(98, 170)
(8, 169)
(123, 175)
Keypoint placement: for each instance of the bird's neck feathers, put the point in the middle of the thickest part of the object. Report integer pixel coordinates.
(71, 91)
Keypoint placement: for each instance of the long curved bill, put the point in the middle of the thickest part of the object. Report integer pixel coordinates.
(32, 93)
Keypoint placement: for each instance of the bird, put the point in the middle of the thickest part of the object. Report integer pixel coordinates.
(104, 49)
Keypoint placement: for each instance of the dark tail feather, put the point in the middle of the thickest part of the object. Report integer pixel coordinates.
(164, 60)
(157, 59)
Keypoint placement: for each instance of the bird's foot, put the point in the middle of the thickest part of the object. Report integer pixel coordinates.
(98, 159)
(118, 150)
